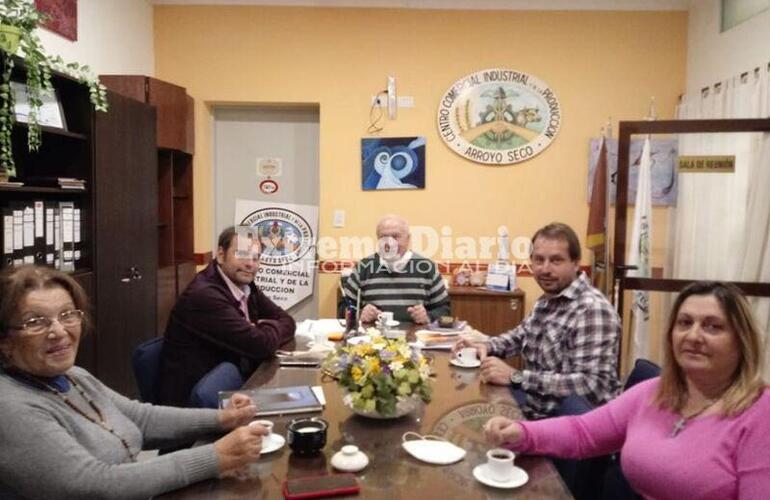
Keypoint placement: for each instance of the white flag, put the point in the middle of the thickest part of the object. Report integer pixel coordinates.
(639, 256)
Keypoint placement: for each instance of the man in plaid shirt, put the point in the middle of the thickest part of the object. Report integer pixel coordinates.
(570, 341)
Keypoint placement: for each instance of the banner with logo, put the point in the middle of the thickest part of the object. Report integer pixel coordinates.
(287, 234)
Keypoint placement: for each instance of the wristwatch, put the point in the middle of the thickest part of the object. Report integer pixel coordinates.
(517, 378)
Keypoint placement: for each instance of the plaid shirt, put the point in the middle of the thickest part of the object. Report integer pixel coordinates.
(569, 344)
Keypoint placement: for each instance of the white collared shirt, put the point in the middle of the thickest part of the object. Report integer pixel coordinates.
(240, 294)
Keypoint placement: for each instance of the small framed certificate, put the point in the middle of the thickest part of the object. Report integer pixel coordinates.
(50, 113)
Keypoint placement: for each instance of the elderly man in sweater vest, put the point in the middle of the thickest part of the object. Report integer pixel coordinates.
(397, 280)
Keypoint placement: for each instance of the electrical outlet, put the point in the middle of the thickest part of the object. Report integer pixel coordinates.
(392, 98)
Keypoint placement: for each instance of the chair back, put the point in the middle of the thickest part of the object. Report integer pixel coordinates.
(643, 369)
(224, 377)
(146, 364)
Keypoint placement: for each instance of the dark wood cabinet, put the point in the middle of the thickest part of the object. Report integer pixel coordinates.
(115, 153)
(488, 311)
(174, 107)
(126, 237)
(175, 146)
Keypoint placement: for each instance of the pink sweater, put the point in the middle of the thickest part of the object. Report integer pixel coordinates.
(711, 458)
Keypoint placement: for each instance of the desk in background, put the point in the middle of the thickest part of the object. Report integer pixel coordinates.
(488, 311)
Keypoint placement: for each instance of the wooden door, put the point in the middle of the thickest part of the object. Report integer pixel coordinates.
(126, 238)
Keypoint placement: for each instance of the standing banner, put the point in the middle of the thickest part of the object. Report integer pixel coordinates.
(287, 234)
(639, 256)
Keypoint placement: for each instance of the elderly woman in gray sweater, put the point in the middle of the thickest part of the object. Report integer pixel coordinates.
(63, 434)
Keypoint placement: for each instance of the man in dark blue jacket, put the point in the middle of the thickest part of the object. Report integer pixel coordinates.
(221, 316)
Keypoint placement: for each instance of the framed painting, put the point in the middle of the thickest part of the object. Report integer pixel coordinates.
(62, 17)
(393, 163)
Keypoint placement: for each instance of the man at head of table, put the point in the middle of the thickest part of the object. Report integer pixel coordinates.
(397, 280)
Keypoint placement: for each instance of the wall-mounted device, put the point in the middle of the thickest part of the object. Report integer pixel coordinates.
(392, 98)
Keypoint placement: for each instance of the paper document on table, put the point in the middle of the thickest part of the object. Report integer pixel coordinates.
(319, 393)
(427, 339)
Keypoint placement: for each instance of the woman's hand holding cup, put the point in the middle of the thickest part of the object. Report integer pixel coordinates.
(239, 448)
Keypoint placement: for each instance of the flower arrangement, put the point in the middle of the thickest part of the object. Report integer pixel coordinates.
(380, 374)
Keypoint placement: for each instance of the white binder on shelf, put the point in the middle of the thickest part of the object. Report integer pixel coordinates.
(67, 209)
(28, 234)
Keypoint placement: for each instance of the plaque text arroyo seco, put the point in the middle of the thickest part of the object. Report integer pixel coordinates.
(499, 116)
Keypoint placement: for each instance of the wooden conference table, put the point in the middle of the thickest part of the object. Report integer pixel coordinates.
(460, 407)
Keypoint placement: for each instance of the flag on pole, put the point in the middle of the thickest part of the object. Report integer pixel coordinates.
(639, 256)
(597, 219)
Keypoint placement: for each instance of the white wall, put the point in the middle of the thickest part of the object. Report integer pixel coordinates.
(114, 37)
(713, 56)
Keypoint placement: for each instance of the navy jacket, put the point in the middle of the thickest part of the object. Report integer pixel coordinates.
(207, 327)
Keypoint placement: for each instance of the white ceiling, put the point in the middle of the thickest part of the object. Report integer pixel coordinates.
(458, 4)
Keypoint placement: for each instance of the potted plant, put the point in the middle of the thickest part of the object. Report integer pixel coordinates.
(382, 377)
(21, 16)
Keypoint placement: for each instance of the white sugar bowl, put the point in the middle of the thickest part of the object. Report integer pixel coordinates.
(350, 459)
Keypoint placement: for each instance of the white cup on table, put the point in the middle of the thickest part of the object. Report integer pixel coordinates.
(467, 356)
(500, 464)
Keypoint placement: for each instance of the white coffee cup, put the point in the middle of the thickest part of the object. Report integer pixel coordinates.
(385, 318)
(320, 338)
(467, 356)
(500, 464)
(267, 424)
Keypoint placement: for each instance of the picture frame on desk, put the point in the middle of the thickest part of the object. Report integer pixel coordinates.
(50, 113)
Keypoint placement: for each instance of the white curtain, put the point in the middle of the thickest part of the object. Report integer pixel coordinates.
(720, 228)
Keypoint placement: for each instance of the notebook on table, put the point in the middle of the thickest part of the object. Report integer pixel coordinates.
(278, 400)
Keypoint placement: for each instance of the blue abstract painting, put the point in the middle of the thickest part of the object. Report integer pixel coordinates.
(393, 163)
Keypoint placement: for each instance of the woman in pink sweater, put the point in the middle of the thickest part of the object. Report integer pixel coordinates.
(701, 430)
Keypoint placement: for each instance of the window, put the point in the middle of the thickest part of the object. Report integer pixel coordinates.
(735, 12)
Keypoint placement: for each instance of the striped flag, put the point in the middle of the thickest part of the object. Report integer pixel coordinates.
(639, 256)
(597, 218)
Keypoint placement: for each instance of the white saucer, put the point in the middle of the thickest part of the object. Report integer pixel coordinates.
(393, 323)
(359, 340)
(456, 362)
(518, 478)
(272, 443)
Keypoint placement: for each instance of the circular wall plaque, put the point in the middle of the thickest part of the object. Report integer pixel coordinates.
(498, 116)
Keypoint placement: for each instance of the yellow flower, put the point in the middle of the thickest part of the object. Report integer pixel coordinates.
(372, 365)
(357, 373)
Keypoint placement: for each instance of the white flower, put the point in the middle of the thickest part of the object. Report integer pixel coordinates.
(396, 365)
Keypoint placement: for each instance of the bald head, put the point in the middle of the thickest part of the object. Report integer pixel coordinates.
(392, 237)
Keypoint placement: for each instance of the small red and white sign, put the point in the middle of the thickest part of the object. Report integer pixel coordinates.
(268, 186)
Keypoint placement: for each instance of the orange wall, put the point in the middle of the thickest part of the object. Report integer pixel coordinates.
(600, 64)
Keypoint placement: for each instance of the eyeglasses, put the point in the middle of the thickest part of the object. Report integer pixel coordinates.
(42, 324)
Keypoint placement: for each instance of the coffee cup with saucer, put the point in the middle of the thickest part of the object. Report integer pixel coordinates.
(466, 357)
(272, 441)
(499, 471)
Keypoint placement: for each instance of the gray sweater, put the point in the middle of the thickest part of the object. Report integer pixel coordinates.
(47, 450)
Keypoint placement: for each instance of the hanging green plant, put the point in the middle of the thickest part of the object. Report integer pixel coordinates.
(22, 16)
